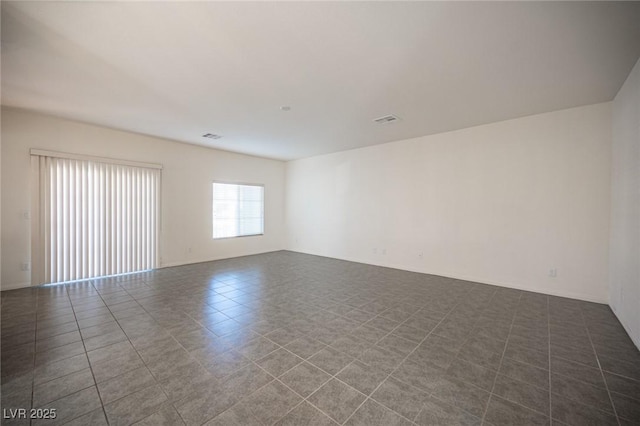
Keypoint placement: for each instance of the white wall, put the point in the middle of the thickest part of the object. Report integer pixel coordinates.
(186, 188)
(501, 203)
(624, 289)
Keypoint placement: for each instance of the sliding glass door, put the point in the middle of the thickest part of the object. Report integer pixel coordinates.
(93, 218)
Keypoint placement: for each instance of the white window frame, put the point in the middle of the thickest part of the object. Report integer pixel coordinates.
(237, 219)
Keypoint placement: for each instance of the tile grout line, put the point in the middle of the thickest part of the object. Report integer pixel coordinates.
(403, 360)
(332, 376)
(480, 388)
(128, 340)
(274, 378)
(62, 359)
(549, 354)
(304, 399)
(464, 341)
(229, 348)
(606, 385)
(155, 379)
(35, 345)
(95, 382)
(252, 361)
(580, 380)
(504, 350)
(184, 305)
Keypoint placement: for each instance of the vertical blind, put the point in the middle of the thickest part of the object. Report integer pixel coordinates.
(94, 219)
(238, 210)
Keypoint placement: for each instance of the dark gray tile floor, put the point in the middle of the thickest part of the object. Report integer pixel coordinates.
(291, 339)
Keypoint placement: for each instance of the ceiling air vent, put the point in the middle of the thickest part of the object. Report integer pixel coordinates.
(386, 119)
(211, 136)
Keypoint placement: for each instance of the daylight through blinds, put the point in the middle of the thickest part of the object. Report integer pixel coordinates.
(95, 219)
(238, 210)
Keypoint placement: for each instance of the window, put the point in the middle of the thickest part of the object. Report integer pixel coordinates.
(238, 210)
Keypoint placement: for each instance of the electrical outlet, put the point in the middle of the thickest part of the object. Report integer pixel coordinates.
(421, 255)
(553, 272)
(189, 250)
(26, 266)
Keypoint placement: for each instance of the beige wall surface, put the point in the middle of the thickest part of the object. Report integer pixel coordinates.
(506, 203)
(188, 173)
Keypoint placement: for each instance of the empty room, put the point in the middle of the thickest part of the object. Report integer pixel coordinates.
(320, 213)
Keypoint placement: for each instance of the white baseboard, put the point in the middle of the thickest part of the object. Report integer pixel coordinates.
(211, 259)
(447, 274)
(14, 286)
(635, 339)
(579, 296)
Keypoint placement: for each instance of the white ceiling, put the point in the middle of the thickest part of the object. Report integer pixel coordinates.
(179, 70)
